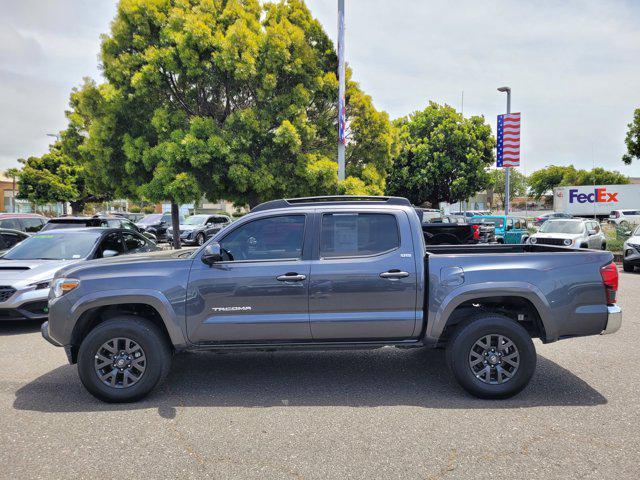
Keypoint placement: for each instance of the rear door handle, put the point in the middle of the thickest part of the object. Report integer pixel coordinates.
(393, 274)
(291, 277)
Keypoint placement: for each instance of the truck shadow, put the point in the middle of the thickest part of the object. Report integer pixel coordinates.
(19, 327)
(385, 377)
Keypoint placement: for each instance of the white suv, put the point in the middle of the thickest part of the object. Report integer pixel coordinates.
(631, 217)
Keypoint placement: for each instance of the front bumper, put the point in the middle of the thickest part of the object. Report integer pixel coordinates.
(614, 319)
(44, 330)
(25, 304)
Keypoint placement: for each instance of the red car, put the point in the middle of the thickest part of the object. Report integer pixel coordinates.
(25, 222)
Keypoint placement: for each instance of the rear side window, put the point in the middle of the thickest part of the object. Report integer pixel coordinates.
(358, 234)
(11, 223)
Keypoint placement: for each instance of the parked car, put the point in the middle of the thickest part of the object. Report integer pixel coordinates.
(329, 273)
(570, 232)
(507, 229)
(157, 224)
(631, 251)
(548, 216)
(27, 269)
(24, 222)
(95, 221)
(197, 229)
(9, 238)
(625, 217)
(437, 231)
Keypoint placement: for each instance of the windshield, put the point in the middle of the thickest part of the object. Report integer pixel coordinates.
(54, 246)
(196, 220)
(497, 221)
(149, 219)
(561, 226)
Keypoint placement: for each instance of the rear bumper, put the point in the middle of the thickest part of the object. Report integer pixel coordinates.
(614, 319)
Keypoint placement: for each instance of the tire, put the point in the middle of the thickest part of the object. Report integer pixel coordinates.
(603, 246)
(466, 337)
(155, 349)
(627, 268)
(200, 239)
(584, 245)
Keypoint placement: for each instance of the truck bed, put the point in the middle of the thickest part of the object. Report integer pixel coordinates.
(497, 248)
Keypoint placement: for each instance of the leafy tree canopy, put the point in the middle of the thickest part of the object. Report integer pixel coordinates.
(234, 99)
(543, 181)
(517, 183)
(633, 139)
(443, 156)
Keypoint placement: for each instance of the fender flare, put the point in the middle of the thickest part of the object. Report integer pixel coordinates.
(439, 318)
(153, 298)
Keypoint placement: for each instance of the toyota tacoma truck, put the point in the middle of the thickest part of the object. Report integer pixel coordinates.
(322, 273)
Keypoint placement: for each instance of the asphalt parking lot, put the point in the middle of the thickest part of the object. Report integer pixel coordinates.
(377, 414)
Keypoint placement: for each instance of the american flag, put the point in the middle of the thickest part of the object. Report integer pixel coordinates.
(508, 140)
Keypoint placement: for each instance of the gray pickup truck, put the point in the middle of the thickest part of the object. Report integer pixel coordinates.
(330, 272)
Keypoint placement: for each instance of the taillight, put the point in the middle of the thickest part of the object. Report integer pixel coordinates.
(476, 232)
(609, 274)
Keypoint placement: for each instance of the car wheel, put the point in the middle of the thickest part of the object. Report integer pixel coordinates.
(200, 239)
(603, 246)
(491, 356)
(627, 267)
(584, 245)
(123, 359)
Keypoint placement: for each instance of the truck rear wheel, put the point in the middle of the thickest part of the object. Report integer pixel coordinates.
(491, 356)
(123, 359)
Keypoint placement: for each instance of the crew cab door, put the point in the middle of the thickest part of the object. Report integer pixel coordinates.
(259, 292)
(363, 283)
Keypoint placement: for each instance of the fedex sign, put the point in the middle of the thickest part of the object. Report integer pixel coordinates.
(599, 195)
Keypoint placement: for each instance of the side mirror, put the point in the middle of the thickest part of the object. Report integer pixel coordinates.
(628, 233)
(212, 253)
(109, 253)
(509, 227)
(592, 232)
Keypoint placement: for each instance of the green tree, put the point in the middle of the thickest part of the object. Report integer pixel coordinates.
(234, 99)
(633, 139)
(443, 156)
(517, 183)
(543, 181)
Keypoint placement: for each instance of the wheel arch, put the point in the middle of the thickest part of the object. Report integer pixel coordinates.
(93, 310)
(523, 303)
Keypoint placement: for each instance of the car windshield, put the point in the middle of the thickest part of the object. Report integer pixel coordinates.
(497, 221)
(54, 246)
(196, 220)
(561, 226)
(150, 219)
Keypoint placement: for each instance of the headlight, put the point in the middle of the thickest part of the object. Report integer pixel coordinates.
(41, 285)
(533, 239)
(567, 241)
(61, 286)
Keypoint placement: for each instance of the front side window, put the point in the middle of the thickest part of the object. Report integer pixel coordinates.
(113, 242)
(358, 234)
(134, 243)
(274, 238)
(10, 223)
(32, 225)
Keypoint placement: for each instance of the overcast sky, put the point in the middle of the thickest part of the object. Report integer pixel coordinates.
(572, 65)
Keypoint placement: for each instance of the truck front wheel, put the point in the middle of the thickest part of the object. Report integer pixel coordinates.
(491, 356)
(123, 359)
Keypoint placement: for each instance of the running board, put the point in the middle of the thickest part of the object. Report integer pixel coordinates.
(306, 345)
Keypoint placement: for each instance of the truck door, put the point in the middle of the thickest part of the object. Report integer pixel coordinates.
(259, 292)
(363, 283)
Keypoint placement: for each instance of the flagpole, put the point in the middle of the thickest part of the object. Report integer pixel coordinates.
(341, 93)
(507, 191)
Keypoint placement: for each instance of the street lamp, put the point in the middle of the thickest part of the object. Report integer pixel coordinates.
(507, 191)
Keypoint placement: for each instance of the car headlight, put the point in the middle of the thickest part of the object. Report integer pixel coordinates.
(41, 285)
(60, 286)
(533, 239)
(567, 241)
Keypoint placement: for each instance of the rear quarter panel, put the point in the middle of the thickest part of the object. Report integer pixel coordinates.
(566, 287)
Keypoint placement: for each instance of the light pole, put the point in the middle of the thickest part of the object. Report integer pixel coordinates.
(507, 191)
(342, 127)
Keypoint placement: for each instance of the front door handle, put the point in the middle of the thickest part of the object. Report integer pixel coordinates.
(393, 274)
(291, 277)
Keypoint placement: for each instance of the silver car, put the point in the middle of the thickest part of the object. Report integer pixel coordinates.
(28, 268)
(570, 232)
(631, 251)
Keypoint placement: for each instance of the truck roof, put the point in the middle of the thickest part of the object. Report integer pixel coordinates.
(346, 200)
